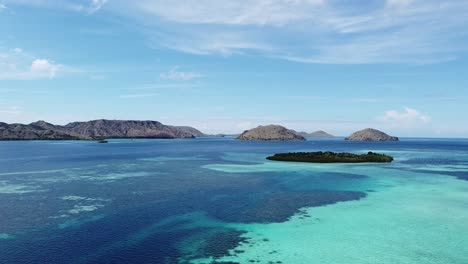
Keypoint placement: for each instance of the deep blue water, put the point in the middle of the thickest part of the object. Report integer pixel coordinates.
(155, 201)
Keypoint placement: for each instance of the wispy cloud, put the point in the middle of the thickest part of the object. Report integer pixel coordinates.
(143, 95)
(317, 31)
(10, 110)
(243, 12)
(165, 86)
(303, 97)
(399, 3)
(81, 6)
(2, 7)
(365, 100)
(332, 99)
(306, 31)
(176, 75)
(95, 5)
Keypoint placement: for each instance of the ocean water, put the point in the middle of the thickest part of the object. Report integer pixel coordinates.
(217, 200)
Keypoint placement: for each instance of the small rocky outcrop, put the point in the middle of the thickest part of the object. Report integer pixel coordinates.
(270, 132)
(371, 134)
(321, 134)
(316, 134)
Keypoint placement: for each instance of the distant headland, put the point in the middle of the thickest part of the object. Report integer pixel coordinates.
(95, 130)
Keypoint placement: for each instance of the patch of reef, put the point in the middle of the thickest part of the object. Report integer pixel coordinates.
(331, 157)
(278, 206)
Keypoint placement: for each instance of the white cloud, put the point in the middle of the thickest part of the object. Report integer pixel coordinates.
(409, 118)
(15, 64)
(2, 7)
(42, 67)
(176, 75)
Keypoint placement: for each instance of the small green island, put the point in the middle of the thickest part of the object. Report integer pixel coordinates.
(331, 157)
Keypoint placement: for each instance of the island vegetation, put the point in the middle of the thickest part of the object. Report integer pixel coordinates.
(331, 157)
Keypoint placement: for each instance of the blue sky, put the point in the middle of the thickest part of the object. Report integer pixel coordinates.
(225, 66)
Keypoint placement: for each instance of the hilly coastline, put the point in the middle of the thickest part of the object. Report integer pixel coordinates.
(102, 128)
(95, 129)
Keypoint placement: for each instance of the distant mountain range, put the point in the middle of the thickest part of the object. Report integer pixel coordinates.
(95, 129)
(103, 129)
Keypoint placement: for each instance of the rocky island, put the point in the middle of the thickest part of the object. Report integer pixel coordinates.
(94, 130)
(371, 134)
(316, 134)
(271, 132)
(331, 157)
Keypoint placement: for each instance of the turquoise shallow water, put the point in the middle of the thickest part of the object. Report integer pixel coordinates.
(409, 219)
(219, 201)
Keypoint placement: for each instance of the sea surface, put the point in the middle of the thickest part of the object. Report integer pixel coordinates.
(218, 200)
